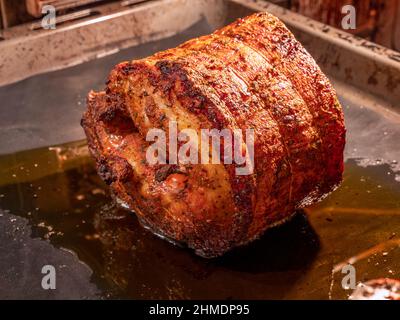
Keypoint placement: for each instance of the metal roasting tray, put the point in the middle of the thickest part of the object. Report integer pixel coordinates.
(56, 211)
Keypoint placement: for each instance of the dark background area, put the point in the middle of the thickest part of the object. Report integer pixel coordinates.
(377, 20)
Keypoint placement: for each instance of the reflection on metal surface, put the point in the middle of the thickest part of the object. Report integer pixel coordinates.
(367, 211)
(33, 164)
(382, 247)
(127, 3)
(66, 18)
(34, 7)
(71, 151)
(380, 289)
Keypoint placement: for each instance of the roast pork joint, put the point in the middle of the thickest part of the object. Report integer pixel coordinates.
(252, 74)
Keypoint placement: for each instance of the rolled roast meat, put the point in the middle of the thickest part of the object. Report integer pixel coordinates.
(252, 74)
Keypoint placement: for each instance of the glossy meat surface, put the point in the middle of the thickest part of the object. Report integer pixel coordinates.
(250, 74)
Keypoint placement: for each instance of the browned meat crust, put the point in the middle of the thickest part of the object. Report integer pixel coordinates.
(250, 74)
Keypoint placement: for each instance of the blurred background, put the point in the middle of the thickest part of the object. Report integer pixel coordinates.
(377, 20)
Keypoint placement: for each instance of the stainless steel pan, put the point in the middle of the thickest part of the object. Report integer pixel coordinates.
(55, 210)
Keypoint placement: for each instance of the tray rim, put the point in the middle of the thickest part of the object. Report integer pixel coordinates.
(355, 61)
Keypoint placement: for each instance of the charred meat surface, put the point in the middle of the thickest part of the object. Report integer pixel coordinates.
(250, 74)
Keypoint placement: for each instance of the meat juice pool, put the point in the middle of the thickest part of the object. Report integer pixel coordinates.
(56, 192)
